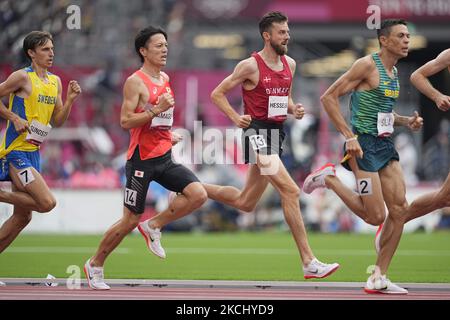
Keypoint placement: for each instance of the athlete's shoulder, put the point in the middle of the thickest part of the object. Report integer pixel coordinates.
(17, 79)
(20, 74)
(365, 61)
(247, 66)
(445, 56)
(364, 64)
(165, 76)
(133, 79)
(290, 60)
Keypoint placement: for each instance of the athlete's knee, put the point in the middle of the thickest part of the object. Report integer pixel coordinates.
(398, 212)
(246, 206)
(199, 197)
(376, 216)
(291, 191)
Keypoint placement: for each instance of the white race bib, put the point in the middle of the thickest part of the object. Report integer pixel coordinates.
(278, 107)
(257, 141)
(385, 124)
(38, 133)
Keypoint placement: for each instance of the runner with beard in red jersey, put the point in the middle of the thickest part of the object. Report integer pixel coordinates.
(266, 80)
(147, 111)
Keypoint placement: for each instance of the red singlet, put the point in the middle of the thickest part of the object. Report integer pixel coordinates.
(153, 142)
(266, 95)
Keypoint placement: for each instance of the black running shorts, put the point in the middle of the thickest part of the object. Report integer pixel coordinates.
(163, 170)
(264, 138)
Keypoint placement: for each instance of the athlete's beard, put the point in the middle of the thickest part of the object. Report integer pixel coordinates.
(280, 50)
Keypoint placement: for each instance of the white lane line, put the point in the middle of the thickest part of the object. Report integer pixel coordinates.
(60, 250)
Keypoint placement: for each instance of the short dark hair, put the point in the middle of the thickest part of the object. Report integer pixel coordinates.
(266, 21)
(143, 36)
(386, 26)
(35, 39)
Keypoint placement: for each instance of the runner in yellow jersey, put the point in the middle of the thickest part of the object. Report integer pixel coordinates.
(35, 105)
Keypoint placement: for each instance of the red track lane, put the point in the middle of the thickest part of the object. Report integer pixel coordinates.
(26, 292)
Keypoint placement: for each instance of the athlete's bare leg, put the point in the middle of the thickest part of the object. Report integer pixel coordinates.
(290, 195)
(394, 192)
(9, 231)
(114, 236)
(369, 205)
(192, 198)
(430, 202)
(244, 200)
(35, 196)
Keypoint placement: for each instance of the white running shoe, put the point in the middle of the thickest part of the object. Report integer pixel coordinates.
(152, 238)
(318, 270)
(317, 178)
(382, 285)
(95, 277)
(2, 284)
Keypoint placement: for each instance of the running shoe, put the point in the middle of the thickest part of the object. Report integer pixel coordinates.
(317, 270)
(317, 178)
(152, 238)
(95, 277)
(382, 285)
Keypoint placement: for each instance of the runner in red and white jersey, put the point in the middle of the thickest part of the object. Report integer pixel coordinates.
(266, 80)
(147, 111)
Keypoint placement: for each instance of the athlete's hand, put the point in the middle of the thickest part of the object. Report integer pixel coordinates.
(415, 122)
(354, 149)
(442, 102)
(73, 90)
(176, 138)
(299, 111)
(21, 125)
(165, 102)
(243, 121)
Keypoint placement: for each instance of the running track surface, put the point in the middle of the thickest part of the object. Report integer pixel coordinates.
(35, 289)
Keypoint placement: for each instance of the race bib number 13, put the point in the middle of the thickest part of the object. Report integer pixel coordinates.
(258, 141)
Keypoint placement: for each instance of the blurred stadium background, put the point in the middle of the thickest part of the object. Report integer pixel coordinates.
(83, 162)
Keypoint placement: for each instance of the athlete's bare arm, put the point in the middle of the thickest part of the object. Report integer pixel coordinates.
(62, 111)
(296, 109)
(245, 73)
(349, 81)
(134, 96)
(419, 79)
(15, 83)
(414, 122)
